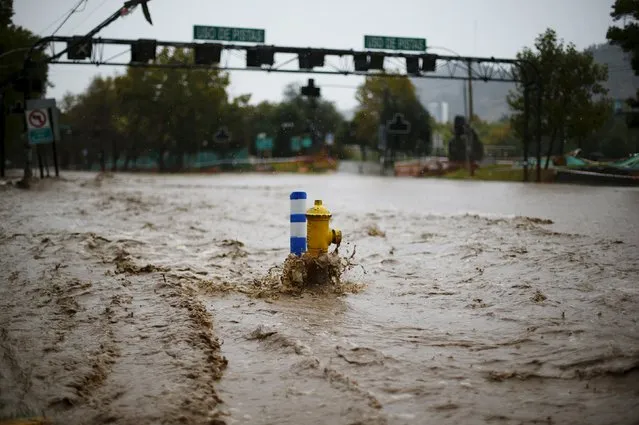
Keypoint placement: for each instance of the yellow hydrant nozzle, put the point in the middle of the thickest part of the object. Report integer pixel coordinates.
(318, 234)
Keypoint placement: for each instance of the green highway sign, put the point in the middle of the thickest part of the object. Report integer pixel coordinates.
(263, 143)
(40, 136)
(394, 43)
(240, 35)
(307, 142)
(296, 144)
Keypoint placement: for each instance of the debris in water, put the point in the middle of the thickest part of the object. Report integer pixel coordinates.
(539, 297)
(124, 264)
(374, 230)
(261, 333)
(535, 220)
(308, 273)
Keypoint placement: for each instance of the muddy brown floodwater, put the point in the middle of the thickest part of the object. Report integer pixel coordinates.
(145, 299)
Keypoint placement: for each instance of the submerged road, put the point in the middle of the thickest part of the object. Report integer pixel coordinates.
(141, 299)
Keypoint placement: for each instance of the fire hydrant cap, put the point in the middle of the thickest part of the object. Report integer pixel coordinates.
(318, 210)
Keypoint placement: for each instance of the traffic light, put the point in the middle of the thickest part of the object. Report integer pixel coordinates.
(28, 85)
(429, 63)
(207, 54)
(361, 62)
(258, 56)
(143, 50)
(311, 90)
(412, 65)
(78, 49)
(376, 61)
(310, 59)
(459, 125)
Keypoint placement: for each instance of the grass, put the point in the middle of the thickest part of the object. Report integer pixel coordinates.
(498, 173)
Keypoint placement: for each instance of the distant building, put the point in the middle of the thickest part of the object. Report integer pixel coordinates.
(444, 116)
(434, 111)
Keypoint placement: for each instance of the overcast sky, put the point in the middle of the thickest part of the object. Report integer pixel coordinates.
(468, 27)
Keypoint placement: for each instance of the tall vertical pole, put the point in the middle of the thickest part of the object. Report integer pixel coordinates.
(27, 147)
(384, 117)
(539, 100)
(40, 165)
(54, 149)
(3, 130)
(469, 138)
(526, 127)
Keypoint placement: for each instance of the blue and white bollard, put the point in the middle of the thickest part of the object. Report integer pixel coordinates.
(298, 223)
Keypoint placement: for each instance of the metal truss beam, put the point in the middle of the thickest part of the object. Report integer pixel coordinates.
(337, 61)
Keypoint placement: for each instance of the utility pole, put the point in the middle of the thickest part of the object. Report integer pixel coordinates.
(470, 136)
(384, 117)
(3, 130)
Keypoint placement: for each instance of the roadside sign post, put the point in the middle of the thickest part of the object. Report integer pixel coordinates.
(307, 142)
(263, 143)
(43, 127)
(222, 135)
(397, 126)
(296, 144)
(39, 126)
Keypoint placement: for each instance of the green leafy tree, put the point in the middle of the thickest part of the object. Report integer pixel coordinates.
(15, 42)
(379, 99)
(628, 36)
(574, 98)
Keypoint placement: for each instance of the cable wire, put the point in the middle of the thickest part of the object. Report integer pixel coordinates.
(73, 10)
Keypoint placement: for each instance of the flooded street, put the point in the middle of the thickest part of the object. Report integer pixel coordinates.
(135, 299)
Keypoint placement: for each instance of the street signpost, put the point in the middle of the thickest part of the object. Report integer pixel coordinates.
(263, 143)
(236, 35)
(43, 127)
(394, 43)
(296, 144)
(398, 125)
(329, 139)
(307, 142)
(222, 135)
(39, 126)
(54, 113)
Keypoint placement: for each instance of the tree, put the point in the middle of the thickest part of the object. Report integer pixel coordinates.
(627, 37)
(379, 99)
(161, 112)
(15, 41)
(574, 103)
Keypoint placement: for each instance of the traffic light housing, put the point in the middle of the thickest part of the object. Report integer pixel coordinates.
(429, 63)
(412, 65)
(28, 85)
(207, 54)
(376, 61)
(361, 62)
(311, 59)
(459, 125)
(311, 90)
(143, 50)
(258, 56)
(78, 49)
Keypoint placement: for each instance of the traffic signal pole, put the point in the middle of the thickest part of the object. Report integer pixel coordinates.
(470, 138)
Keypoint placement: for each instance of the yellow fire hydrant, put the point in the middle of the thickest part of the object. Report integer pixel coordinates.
(318, 235)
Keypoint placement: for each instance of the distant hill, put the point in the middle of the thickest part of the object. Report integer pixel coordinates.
(490, 98)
